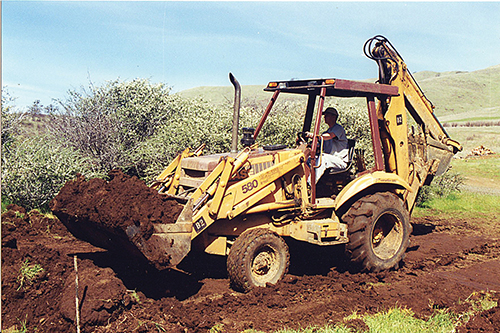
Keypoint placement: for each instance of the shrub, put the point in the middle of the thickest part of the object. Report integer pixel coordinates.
(106, 124)
(35, 169)
(441, 186)
(191, 123)
(11, 120)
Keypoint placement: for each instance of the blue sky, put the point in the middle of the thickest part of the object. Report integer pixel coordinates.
(51, 47)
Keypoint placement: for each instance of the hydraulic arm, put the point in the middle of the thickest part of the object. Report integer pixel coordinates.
(413, 156)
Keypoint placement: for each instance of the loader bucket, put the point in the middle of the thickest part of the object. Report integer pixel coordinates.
(126, 216)
(169, 243)
(442, 154)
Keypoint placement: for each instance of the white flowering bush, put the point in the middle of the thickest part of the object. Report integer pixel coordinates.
(35, 169)
(106, 124)
(11, 120)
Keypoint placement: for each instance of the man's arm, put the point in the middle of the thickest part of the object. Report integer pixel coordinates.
(325, 136)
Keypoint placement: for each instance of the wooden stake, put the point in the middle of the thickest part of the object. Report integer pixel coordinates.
(76, 296)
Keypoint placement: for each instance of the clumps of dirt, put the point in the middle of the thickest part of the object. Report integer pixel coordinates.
(116, 296)
(102, 302)
(16, 221)
(113, 213)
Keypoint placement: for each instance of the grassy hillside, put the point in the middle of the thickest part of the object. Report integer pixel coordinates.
(458, 96)
(464, 96)
(224, 94)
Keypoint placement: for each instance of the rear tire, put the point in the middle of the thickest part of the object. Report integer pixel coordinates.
(379, 231)
(257, 257)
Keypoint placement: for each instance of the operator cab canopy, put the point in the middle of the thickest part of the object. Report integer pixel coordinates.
(334, 87)
(323, 88)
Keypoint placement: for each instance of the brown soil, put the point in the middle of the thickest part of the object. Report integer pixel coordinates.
(449, 265)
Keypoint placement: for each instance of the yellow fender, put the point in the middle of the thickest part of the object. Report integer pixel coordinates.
(365, 181)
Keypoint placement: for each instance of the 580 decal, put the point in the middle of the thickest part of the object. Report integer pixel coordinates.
(249, 186)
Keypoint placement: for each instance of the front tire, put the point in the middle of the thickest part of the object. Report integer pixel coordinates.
(379, 231)
(257, 257)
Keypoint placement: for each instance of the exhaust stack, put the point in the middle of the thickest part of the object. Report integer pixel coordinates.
(236, 112)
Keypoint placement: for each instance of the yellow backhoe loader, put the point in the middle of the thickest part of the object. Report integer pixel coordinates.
(243, 204)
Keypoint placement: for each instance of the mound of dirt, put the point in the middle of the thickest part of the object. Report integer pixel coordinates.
(113, 214)
(488, 321)
(480, 151)
(38, 279)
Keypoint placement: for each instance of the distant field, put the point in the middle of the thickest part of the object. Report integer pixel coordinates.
(481, 174)
(472, 137)
(490, 114)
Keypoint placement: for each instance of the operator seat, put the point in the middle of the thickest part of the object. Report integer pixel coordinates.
(333, 180)
(351, 143)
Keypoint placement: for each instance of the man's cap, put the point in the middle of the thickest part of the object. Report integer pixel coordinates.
(331, 111)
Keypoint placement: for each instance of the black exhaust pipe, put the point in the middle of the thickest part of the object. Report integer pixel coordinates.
(236, 112)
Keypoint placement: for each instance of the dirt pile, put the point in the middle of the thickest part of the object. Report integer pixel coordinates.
(118, 214)
(488, 321)
(480, 151)
(38, 288)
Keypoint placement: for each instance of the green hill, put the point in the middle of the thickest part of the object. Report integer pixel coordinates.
(464, 96)
(458, 96)
(222, 94)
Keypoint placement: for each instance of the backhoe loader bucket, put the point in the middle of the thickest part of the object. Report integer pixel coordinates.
(169, 243)
(126, 216)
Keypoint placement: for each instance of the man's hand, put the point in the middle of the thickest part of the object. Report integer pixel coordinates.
(309, 135)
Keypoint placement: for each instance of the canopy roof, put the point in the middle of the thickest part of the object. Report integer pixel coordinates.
(334, 87)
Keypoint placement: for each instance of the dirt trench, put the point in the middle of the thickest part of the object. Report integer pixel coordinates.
(450, 264)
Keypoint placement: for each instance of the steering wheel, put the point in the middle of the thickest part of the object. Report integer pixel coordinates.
(301, 138)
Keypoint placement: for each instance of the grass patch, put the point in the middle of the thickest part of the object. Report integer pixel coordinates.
(28, 273)
(478, 198)
(20, 215)
(479, 210)
(486, 167)
(23, 327)
(325, 329)
(134, 296)
(403, 321)
(5, 203)
(397, 319)
(481, 301)
(468, 204)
